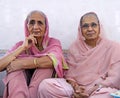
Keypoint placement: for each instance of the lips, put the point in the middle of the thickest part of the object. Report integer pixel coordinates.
(90, 32)
(36, 32)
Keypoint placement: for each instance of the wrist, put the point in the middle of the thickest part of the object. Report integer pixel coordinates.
(35, 61)
(72, 83)
(99, 86)
(23, 47)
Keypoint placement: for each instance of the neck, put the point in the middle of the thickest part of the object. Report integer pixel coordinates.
(92, 42)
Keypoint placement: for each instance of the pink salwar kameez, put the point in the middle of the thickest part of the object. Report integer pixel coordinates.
(87, 67)
(59, 88)
(16, 82)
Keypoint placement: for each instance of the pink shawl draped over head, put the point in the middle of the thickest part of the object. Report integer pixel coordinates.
(89, 64)
(52, 48)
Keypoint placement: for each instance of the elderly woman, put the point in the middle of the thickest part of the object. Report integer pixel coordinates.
(94, 65)
(32, 60)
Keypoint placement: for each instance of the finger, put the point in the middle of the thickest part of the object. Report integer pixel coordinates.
(33, 39)
(84, 94)
(79, 89)
(82, 88)
(73, 96)
(76, 95)
(8, 70)
(30, 40)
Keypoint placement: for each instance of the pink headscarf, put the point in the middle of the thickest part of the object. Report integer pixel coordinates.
(89, 64)
(46, 36)
(52, 48)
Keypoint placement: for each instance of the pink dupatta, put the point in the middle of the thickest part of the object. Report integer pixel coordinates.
(52, 48)
(89, 64)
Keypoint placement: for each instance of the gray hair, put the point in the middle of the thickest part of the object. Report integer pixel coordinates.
(35, 11)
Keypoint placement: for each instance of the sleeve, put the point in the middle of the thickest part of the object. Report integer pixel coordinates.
(56, 55)
(14, 47)
(113, 77)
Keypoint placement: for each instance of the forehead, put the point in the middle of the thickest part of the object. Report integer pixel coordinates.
(89, 18)
(36, 16)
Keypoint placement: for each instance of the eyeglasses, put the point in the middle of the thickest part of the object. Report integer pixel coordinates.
(86, 25)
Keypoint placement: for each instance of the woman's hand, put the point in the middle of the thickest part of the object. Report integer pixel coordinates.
(96, 87)
(29, 41)
(79, 95)
(15, 65)
(21, 63)
(79, 91)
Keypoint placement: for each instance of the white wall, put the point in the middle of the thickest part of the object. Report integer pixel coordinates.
(63, 18)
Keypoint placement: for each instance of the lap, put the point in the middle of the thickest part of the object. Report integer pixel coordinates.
(61, 87)
(103, 93)
(57, 86)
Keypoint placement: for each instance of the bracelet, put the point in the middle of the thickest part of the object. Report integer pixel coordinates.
(35, 61)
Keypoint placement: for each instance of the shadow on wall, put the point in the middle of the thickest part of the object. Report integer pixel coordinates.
(2, 86)
(2, 75)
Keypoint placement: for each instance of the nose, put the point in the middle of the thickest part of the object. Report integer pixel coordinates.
(36, 26)
(90, 28)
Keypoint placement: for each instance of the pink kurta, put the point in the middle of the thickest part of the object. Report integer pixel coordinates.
(15, 82)
(107, 75)
(87, 66)
(59, 88)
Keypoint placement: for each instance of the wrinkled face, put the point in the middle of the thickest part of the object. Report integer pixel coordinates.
(90, 27)
(36, 24)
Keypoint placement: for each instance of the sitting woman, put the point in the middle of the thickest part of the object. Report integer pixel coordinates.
(94, 65)
(32, 60)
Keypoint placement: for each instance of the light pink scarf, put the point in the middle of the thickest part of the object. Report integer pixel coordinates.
(50, 45)
(89, 64)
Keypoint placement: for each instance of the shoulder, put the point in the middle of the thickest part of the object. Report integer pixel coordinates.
(110, 44)
(15, 46)
(18, 44)
(54, 41)
(114, 48)
(114, 44)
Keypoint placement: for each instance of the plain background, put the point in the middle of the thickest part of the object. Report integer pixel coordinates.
(63, 16)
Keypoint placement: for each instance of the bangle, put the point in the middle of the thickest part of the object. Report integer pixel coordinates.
(35, 61)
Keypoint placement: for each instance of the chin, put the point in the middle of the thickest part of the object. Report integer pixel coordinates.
(91, 38)
(38, 36)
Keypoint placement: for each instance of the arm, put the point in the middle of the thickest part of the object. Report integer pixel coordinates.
(79, 91)
(112, 79)
(17, 50)
(4, 61)
(30, 63)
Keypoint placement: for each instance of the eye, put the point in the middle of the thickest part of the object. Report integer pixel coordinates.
(93, 25)
(32, 22)
(40, 23)
(85, 25)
